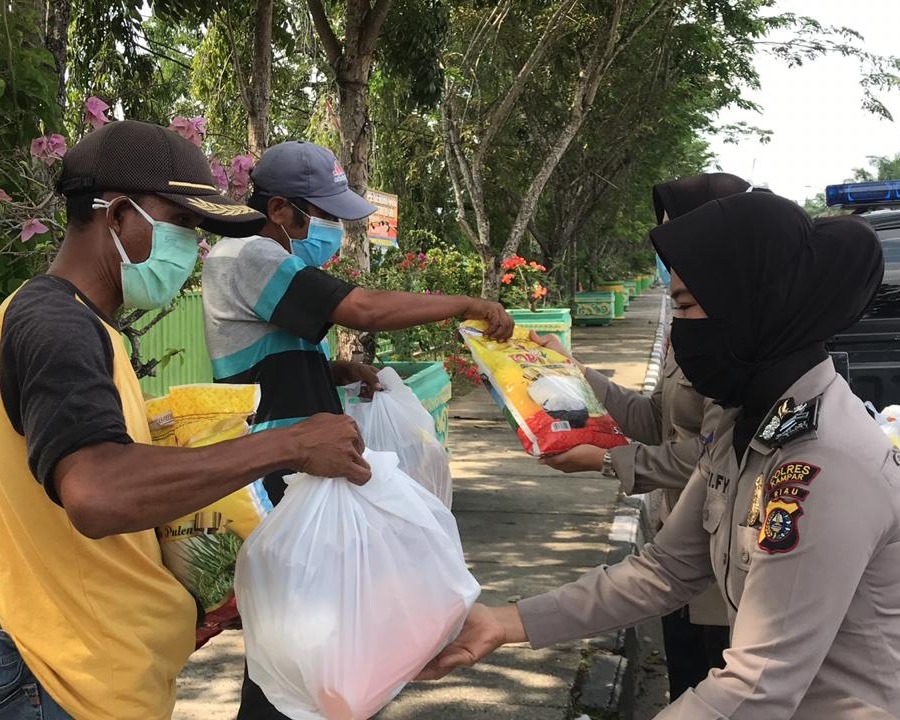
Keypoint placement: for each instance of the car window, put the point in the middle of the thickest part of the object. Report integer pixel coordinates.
(887, 301)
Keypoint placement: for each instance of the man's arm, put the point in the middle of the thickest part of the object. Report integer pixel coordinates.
(112, 488)
(364, 309)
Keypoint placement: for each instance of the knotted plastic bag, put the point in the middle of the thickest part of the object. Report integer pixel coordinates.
(541, 392)
(394, 420)
(346, 592)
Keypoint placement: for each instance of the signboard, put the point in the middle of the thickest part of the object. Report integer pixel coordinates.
(383, 222)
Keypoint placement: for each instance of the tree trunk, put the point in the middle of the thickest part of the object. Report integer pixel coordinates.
(57, 42)
(490, 283)
(351, 61)
(354, 115)
(260, 81)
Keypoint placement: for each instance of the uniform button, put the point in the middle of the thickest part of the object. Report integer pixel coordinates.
(745, 557)
(706, 514)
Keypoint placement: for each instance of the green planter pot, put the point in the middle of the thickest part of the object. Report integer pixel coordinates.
(431, 384)
(618, 289)
(631, 287)
(638, 284)
(648, 280)
(182, 329)
(553, 321)
(594, 308)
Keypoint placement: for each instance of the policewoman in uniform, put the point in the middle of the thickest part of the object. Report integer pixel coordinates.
(795, 505)
(667, 430)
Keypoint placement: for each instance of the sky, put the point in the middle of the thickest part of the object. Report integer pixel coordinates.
(820, 131)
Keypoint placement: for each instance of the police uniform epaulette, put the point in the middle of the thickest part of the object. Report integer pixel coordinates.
(789, 422)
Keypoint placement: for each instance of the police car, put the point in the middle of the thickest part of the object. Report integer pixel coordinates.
(868, 354)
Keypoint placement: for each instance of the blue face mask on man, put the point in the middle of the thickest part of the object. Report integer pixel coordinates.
(155, 282)
(323, 241)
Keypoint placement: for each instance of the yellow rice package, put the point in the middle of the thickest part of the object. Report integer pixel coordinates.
(200, 549)
(543, 394)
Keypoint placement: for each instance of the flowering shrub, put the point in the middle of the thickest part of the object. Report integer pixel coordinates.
(522, 283)
(462, 367)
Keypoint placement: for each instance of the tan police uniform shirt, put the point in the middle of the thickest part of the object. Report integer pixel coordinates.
(803, 538)
(669, 429)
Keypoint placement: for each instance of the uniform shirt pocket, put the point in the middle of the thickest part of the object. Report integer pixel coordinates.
(713, 509)
(745, 545)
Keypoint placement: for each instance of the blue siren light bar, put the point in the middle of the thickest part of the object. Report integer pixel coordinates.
(882, 192)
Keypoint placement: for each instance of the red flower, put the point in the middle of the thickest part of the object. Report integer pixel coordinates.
(512, 263)
(535, 266)
(539, 292)
(508, 278)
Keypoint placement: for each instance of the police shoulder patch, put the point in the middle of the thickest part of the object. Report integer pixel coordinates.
(780, 532)
(797, 473)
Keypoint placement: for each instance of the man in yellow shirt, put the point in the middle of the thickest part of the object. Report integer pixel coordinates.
(94, 627)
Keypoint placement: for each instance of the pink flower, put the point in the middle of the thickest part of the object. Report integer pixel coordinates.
(219, 174)
(193, 129)
(33, 227)
(48, 148)
(4, 197)
(94, 112)
(240, 173)
(199, 124)
(204, 249)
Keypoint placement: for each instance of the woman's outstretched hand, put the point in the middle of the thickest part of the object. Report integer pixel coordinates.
(485, 630)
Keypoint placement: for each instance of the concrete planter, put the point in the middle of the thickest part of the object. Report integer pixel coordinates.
(595, 308)
(552, 321)
(621, 296)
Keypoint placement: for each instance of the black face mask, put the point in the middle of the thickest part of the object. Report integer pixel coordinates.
(701, 350)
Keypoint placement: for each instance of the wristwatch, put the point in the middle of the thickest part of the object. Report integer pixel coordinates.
(608, 469)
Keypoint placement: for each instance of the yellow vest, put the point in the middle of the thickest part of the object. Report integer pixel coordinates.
(102, 624)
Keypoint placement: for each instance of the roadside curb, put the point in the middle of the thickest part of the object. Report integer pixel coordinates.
(658, 353)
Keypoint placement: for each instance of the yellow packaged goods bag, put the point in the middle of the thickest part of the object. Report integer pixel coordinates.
(542, 393)
(200, 549)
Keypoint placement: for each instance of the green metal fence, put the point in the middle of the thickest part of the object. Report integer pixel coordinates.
(182, 329)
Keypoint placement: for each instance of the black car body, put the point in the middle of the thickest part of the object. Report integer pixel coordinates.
(868, 353)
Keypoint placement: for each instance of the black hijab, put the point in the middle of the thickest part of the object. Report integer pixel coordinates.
(775, 285)
(677, 197)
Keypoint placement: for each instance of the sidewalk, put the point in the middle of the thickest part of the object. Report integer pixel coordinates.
(525, 529)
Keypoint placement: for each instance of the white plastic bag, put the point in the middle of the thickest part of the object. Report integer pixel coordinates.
(889, 420)
(395, 421)
(346, 592)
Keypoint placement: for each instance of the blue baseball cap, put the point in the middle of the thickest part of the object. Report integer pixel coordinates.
(298, 169)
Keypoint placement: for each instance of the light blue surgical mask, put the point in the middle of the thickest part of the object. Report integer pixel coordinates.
(155, 282)
(323, 241)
